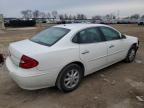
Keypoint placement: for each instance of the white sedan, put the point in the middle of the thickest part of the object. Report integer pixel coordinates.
(62, 55)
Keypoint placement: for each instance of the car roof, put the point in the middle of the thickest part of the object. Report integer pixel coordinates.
(79, 26)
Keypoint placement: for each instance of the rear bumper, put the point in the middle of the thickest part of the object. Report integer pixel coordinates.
(26, 79)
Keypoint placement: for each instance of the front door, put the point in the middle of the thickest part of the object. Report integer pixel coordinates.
(115, 44)
(93, 49)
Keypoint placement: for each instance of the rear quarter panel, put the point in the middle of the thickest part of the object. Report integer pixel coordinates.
(57, 58)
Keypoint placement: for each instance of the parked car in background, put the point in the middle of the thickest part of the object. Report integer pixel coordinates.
(62, 55)
(109, 21)
(123, 21)
(127, 21)
(20, 23)
(97, 21)
(141, 21)
(133, 21)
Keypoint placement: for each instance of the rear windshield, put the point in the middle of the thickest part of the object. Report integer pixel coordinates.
(50, 36)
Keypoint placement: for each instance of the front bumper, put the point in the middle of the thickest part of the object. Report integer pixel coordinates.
(28, 79)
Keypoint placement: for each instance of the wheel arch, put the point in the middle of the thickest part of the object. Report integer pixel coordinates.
(74, 62)
(135, 45)
(80, 64)
(132, 45)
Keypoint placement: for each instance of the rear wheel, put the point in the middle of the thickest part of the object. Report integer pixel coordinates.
(131, 54)
(69, 78)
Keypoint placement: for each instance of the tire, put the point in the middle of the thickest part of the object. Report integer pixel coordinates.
(69, 78)
(131, 54)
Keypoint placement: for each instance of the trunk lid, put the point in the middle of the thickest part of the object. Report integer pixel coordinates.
(25, 47)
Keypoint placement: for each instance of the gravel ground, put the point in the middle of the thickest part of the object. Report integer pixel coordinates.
(118, 86)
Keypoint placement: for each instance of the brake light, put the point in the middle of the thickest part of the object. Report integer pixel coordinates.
(27, 62)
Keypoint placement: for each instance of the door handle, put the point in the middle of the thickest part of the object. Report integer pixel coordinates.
(85, 52)
(111, 46)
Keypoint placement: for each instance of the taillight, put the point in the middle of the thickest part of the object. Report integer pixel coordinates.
(27, 62)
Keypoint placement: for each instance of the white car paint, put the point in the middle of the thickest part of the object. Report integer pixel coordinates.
(52, 59)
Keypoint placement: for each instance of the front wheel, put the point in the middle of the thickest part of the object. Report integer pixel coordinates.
(69, 78)
(131, 54)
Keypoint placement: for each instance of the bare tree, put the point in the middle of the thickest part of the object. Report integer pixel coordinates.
(24, 13)
(36, 14)
(110, 16)
(142, 16)
(27, 14)
(96, 17)
(81, 16)
(78, 16)
(48, 15)
(42, 15)
(135, 16)
(74, 17)
(54, 14)
(70, 17)
(65, 16)
(61, 17)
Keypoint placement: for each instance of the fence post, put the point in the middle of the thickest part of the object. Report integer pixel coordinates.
(2, 22)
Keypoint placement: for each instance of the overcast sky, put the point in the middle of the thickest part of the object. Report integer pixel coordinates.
(13, 8)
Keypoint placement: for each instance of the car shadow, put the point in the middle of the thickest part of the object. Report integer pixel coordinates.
(53, 90)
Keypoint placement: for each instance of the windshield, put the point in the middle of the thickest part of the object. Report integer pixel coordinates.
(50, 36)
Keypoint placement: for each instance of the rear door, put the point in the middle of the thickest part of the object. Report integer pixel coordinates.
(93, 49)
(115, 45)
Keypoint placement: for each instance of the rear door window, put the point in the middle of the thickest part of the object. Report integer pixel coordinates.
(89, 35)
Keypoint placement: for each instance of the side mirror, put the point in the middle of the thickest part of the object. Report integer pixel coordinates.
(123, 36)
